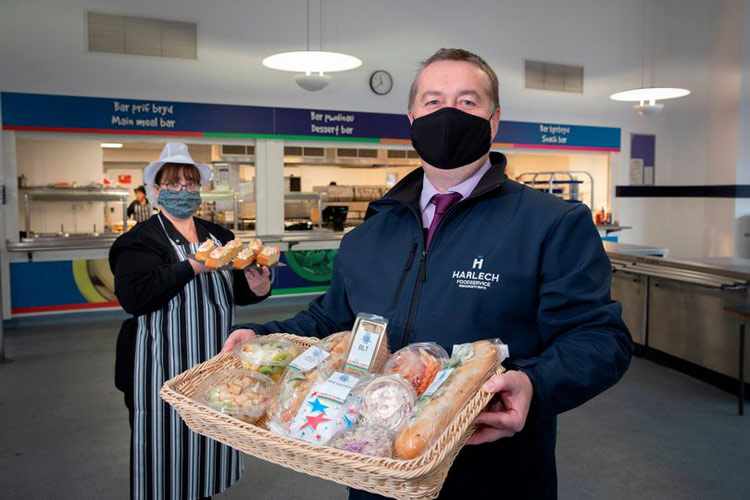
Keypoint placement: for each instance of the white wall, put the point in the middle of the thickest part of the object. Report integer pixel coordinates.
(46, 162)
(742, 208)
(595, 164)
(694, 43)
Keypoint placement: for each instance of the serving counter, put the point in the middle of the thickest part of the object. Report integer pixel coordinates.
(56, 274)
(676, 307)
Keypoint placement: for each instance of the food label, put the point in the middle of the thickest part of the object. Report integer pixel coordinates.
(337, 387)
(441, 377)
(309, 359)
(363, 350)
(324, 412)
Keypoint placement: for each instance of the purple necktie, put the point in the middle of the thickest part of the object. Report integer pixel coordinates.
(442, 203)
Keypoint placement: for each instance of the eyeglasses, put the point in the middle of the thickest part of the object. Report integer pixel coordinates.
(178, 186)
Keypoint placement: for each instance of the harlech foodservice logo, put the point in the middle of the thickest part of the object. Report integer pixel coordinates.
(475, 277)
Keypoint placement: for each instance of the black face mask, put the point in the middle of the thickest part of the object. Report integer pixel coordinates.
(449, 138)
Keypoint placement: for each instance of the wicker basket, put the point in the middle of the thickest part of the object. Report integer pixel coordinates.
(420, 478)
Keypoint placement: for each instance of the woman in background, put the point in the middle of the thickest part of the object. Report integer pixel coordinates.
(140, 209)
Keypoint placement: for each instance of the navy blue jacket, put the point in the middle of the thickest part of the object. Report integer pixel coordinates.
(508, 262)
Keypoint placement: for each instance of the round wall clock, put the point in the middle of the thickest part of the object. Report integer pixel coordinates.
(381, 82)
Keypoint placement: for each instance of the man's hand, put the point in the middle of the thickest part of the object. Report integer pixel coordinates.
(258, 279)
(506, 414)
(237, 337)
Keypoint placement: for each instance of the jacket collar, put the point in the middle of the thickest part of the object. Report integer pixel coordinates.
(408, 190)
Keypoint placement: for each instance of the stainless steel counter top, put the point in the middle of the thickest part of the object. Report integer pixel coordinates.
(720, 273)
(308, 239)
(626, 248)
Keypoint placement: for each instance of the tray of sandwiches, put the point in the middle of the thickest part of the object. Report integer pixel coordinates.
(237, 255)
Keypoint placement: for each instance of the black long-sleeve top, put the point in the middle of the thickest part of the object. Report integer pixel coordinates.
(148, 275)
(147, 272)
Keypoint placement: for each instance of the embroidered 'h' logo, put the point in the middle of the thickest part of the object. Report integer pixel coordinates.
(478, 262)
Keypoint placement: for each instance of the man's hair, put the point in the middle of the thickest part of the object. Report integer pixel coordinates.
(140, 189)
(171, 172)
(459, 55)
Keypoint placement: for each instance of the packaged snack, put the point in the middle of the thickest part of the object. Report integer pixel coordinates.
(244, 395)
(418, 363)
(368, 334)
(463, 375)
(337, 345)
(301, 374)
(205, 249)
(269, 357)
(268, 256)
(331, 405)
(365, 439)
(387, 401)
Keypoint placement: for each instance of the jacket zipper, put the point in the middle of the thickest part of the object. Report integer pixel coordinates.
(422, 272)
(421, 276)
(404, 274)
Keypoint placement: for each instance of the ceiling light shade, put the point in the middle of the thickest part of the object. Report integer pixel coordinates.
(312, 61)
(112, 145)
(648, 109)
(313, 83)
(649, 94)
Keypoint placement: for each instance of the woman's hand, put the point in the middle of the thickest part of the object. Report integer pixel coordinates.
(198, 267)
(237, 337)
(258, 279)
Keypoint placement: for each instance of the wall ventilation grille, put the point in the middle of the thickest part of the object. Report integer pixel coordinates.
(141, 36)
(551, 76)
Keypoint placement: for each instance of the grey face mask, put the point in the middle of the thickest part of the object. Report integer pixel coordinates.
(181, 204)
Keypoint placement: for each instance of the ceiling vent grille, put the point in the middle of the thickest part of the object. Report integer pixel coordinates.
(551, 76)
(115, 34)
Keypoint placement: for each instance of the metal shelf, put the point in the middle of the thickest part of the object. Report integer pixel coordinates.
(74, 194)
(560, 183)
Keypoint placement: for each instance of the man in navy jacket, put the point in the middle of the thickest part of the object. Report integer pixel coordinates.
(497, 259)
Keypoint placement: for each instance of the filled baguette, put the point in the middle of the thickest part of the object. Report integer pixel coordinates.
(471, 365)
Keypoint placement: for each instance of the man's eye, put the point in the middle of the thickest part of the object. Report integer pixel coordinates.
(466, 102)
(433, 101)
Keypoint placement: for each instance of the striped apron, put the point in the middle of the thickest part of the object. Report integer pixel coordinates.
(167, 459)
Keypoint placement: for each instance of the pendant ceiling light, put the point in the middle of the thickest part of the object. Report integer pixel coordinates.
(312, 64)
(646, 97)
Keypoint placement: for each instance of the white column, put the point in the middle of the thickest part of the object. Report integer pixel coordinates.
(269, 187)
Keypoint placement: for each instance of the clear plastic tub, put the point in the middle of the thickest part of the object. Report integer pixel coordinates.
(418, 363)
(242, 394)
(365, 439)
(265, 356)
(387, 401)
